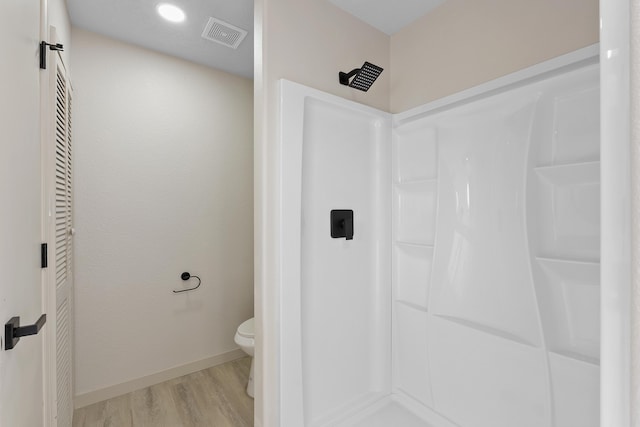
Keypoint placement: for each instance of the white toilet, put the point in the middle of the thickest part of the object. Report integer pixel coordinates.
(245, 339)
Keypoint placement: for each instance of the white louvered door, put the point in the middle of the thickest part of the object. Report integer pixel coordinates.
(61, 247)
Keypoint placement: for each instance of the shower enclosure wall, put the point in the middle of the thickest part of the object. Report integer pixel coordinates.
(469, 295)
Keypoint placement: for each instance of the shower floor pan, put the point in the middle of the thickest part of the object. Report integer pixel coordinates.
(394, 410)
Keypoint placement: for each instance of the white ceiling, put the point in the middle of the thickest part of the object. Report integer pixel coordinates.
(136, 22)
(389, 16)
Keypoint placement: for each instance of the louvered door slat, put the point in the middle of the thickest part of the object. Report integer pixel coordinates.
(61, 275)
(62, 186)
(63, 362)
(61, 218)
(69, 183)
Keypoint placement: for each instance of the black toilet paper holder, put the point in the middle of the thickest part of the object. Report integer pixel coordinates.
(186, 276)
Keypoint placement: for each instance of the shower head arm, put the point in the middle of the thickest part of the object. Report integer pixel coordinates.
(344, 77)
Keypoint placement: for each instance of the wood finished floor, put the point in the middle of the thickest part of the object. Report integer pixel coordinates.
(214, 397)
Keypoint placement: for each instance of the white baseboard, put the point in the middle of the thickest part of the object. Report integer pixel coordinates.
(96, 396)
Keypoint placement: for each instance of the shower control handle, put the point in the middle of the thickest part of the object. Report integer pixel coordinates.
(348, 228)
(342, 223)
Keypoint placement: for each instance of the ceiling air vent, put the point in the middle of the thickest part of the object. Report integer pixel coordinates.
(224, 33)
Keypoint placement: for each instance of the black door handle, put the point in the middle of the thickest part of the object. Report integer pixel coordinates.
(13, 331)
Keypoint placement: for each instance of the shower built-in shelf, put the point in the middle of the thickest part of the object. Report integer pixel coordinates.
(415, 154)
(414, 244)
(567, 258)
(412, 265)
(571, 173)
(486, 329)
(415, 211)
(569, 297)
(566, 211)
(412, 305)
(576, 357)
(418, 181)
(542, 259)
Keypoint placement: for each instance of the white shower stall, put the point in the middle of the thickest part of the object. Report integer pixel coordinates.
(470, 293)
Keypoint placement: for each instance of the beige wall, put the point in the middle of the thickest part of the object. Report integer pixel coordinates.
(463, 43)
(164, 184)
(635, 212)
(309, 42)
(59, 18)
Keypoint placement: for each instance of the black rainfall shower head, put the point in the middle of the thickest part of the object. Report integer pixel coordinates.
(364, 77)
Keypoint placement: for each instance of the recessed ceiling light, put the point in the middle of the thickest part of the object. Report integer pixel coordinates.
(170, 12)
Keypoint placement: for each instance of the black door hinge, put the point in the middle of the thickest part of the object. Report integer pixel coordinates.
(43, 52)
(44, 256)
